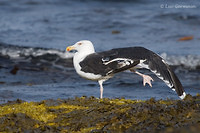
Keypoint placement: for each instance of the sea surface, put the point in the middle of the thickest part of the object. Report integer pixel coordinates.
(35, 33)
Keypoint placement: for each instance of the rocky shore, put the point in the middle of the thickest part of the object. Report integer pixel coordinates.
(89, 114)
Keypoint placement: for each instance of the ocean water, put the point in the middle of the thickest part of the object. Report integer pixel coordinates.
(34, 34)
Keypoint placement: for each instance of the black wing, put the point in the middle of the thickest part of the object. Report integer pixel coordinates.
(117, 60)
(108, 62)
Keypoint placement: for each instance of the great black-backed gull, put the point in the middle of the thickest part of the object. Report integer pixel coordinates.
(102, 66)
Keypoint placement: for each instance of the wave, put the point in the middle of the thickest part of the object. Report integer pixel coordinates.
(61, 59)
(181, 17)
(17, 52)
(34, 58)
(191, 62)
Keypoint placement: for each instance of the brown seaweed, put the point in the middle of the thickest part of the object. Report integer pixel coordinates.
(89, 114)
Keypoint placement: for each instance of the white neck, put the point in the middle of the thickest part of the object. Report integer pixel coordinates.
(79, 56)
(84, 48)
(82, 54)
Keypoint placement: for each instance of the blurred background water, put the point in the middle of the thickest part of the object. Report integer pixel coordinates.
(34, 34)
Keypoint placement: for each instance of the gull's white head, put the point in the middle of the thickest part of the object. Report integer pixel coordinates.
(85, 46)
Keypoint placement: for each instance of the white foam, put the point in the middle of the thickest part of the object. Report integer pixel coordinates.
(188, 61)
(16, 52)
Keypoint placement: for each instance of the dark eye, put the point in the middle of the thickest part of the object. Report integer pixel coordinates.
(79, 43)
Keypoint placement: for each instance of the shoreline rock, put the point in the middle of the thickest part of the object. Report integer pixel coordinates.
(89, 114)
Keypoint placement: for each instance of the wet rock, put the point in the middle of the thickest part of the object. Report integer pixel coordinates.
(2, 82)
(14, 70)
(16, 123)
(115, 32)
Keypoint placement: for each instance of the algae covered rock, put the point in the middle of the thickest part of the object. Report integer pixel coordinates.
(89, 114)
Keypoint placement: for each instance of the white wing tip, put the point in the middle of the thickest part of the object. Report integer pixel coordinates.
(183, 96)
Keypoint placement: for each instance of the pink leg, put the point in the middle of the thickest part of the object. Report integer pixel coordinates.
(146, 79)
(101, 91)
(101, 88)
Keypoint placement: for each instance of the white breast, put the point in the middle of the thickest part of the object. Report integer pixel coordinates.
(76, 60)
